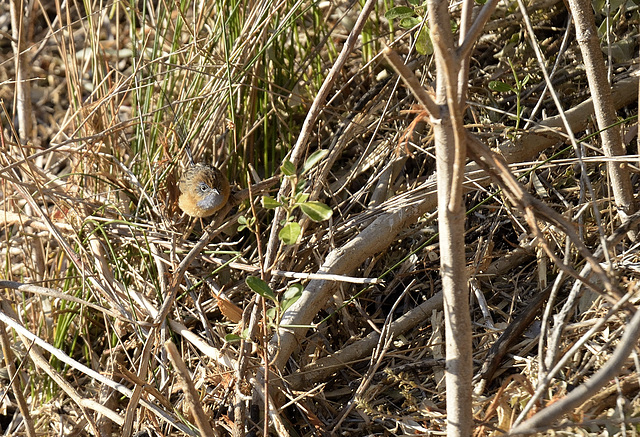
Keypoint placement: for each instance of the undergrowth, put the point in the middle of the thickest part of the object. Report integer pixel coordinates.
(90, 213)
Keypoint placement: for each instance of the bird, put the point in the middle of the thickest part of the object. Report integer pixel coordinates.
(204, 189)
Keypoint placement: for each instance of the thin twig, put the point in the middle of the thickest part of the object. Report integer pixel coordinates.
(14, 381)
(297, 275)
(412, 83)
(191, 397)
(547, 416)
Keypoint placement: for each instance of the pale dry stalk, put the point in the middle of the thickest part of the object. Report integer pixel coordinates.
(450, 142)
(589, 43)
(19, 27)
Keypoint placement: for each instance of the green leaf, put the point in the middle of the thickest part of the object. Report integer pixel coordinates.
(292, 291)
(287, 303)
(622, 50)
(242, 222)
(301, 185)
(316, 211)
(260, 287)
(269, 202)
(314, 159)
(290, 296)
(410, 22)
(271, 314)
(288, 168)
(399, 12)
(302, 197)
(231, 338)
(245, 222)
(598, 5)
(454, 25)
(501, 87)
(289, 233)
(424, 46)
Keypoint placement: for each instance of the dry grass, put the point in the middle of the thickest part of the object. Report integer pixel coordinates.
(93, 237)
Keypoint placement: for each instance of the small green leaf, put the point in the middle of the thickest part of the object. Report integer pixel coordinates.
(410, 22)
(301, 185)
(290, 296)
(501, 87)
(288, 168)
(292, 291)
(424, 46)
(245, 222)
(316, 211)
(289, 233)
(454, 25)
(287, 303)
(242, 222)
(231, 338)
(271, 314)
(269, 202)
(302, 197)
(260, 287)
(399, 12)
(313, 159)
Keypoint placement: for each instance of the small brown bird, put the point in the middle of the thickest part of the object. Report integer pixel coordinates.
(204, 190)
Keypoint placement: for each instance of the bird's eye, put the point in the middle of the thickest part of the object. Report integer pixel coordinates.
(203, 187)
